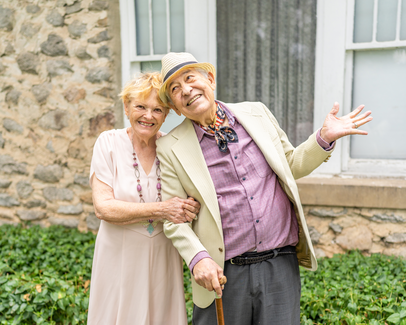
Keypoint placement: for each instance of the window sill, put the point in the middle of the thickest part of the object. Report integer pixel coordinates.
(353, 192)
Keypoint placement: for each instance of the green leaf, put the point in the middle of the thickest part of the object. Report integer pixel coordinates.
(22, 307)
(352, 307)
(402, 313)
(60, 304)
(54, 296)
(14, 308)
(394, 318)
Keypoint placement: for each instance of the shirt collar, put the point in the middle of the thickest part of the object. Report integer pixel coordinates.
(231, 120)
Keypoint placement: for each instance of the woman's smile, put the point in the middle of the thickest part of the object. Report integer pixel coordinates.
(147, 124)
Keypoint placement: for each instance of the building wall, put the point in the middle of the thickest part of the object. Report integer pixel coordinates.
(335, 230)
(59, 80)
(355, 213)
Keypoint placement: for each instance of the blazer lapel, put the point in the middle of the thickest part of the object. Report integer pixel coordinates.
(255, 124)
(187, 150)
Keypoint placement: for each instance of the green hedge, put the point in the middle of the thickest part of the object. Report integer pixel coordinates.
(354, 289)
(45, 276)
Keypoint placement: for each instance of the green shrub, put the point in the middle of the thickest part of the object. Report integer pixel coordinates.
(188, 293)
(354, 289)
(45, 276)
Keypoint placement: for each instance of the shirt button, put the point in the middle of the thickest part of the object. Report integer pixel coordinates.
(235, 157)
(260, 242)
(257, 221)
(243, 178)
(221, 250)
(252, 197)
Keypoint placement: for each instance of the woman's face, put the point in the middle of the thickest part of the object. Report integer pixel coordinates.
(146, 116)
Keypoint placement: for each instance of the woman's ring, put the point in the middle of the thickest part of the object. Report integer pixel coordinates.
(355, 125)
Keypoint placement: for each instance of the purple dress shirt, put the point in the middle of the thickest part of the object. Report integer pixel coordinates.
(256, 214)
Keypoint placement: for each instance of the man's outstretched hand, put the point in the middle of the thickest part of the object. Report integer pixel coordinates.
(335, 127)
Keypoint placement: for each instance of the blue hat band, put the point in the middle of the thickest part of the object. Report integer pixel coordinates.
(174, 69)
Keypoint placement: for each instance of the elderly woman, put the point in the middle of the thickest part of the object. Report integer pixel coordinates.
(137, 274)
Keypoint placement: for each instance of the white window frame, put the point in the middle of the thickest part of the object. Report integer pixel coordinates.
(200, 36)
(333, 82)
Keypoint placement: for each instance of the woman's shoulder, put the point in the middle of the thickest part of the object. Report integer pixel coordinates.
(111, 138)
(112, 134)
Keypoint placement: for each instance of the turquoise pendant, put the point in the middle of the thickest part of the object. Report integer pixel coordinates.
(150, 229)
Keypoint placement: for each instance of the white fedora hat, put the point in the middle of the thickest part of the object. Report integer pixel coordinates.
(175, 62)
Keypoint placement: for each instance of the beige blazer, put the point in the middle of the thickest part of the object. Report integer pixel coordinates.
(184, 173)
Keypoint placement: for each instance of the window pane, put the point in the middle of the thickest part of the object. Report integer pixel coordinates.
(159, 26)
(177, 26)
(403, 21)
(379, 83)
(150, 66)
(142, 26)
(387, 16)
(363, 20)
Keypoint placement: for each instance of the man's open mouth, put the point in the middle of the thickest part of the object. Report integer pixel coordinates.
(193, 99)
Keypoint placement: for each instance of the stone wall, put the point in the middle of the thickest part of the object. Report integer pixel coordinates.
(335, 230)
(59, 80)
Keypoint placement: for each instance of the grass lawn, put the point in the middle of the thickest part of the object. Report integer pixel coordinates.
(45, 279)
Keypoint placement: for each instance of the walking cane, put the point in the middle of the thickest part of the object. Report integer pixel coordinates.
(219, 304)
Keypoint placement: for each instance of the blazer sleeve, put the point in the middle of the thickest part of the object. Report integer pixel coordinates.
(182, 235)
(303, 159)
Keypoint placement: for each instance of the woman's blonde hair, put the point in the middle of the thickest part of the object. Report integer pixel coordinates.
(141, 87)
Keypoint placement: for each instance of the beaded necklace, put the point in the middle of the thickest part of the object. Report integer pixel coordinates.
(150, 224)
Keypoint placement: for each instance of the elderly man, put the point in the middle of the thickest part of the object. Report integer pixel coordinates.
(238, 163)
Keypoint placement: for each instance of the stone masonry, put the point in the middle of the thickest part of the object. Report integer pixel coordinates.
(334, 230)
(59, 79)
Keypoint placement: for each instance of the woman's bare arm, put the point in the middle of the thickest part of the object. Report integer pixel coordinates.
(122, 213)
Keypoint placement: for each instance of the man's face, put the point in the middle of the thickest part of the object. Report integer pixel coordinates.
(192, 94)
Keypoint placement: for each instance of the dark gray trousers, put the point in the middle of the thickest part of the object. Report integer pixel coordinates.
(264, 293)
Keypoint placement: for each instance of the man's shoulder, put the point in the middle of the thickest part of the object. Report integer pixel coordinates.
(246, 105)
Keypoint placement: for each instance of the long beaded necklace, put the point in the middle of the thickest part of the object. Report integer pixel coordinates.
(150, 224)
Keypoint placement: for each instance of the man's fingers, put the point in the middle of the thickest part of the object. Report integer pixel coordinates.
(362, 119)
(335, 109)
(362, 122)
(358, 110)
(217, 287)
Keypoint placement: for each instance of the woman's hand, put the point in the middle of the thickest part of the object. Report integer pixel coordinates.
(192, 211)
(179, 210)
